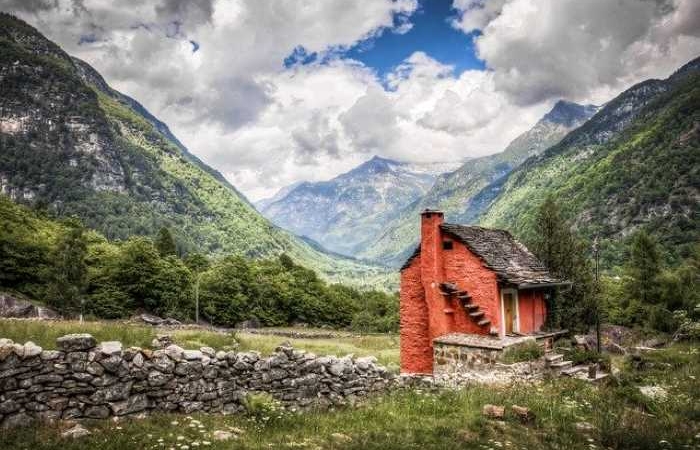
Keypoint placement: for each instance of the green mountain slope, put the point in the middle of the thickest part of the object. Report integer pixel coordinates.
(453, 192)
(636, 164)
(74, 146)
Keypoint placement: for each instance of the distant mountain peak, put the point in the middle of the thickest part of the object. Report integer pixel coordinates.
(569, 113)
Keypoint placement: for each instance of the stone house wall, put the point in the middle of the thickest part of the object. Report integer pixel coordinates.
(84, 379)
(458, 358)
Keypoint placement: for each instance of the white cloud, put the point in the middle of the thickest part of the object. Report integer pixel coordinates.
(582, 50)
(233, 103)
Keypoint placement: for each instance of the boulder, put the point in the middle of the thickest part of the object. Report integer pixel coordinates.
(76, 432)
(13, 306)
(151, 319)
(523, 414)
(221, 435)
(494, 411)
(76, 342)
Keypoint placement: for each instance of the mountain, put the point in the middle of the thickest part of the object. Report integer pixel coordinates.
(73, 146)
(347, 212)
(453, 192)
(635, 164)
(279, 195)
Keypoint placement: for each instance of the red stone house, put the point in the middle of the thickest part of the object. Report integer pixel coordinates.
(468, 280)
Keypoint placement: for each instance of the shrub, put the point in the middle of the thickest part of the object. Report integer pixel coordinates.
(522, 352)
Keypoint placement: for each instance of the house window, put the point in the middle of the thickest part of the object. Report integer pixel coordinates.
(447, 245)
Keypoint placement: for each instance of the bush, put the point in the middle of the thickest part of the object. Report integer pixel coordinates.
(260, 405)
(523, 352)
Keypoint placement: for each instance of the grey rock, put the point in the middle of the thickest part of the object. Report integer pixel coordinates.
(117, 391)
(31, 349)
(17, 420)
(76, 432)
(97, 412)
(134, 404)
(174, 352)
(111, 348)
(156, 378)
(193, 355)
(9, 406)
(95, 369)
(112, 364)
(50, 355)
(208, 351)
(76, 342)
(138, 360)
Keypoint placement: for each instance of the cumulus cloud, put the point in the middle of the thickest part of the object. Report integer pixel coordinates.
(580, 49)
(235, 104)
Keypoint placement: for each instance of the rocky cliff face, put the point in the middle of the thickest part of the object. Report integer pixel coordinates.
(347, 212)
(76, 147)
(453, 192)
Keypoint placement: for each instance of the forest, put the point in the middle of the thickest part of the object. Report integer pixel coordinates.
(75, 270)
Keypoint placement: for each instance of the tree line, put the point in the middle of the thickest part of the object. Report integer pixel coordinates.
(76, 270)
(646, 291)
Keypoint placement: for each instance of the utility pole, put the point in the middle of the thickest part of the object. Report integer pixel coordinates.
(597, 296)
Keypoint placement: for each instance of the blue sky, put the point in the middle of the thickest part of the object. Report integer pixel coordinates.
(431, 33)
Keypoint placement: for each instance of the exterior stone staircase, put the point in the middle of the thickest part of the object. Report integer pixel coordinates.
(450, 291)
(559, 367)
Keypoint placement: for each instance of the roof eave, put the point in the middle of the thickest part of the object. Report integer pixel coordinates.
(544, 285)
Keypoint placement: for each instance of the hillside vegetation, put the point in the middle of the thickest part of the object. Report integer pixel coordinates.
(75, 270)
(610, 184)
(75, 147)
(453, 192)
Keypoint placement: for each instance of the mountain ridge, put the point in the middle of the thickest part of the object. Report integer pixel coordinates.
(453, 191)
(346, 211)
(86, 150)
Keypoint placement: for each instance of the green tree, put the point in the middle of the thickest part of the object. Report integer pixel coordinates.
(165, 243)
(643, 268)
(566, 257)
(69, 272)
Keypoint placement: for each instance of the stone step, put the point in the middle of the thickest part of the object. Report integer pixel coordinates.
(571, 371)
(464, 297)
(483, 323)
(553, 357)
(471, 307)
(448, 311)
(476, 315)
(561, 365)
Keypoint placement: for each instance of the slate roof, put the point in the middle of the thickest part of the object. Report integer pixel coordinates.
(502, 253)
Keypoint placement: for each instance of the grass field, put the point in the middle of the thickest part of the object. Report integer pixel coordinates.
(569, 414)
(384, 347)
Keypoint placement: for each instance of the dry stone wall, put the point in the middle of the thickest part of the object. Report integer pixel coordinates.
(84, 379)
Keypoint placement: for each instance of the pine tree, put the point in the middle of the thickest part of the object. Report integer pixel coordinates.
(165, 243)
(644, 267)
(69, 270)
(566, 257)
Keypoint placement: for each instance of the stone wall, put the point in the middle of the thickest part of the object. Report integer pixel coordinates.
(458, 358)
(84, 379)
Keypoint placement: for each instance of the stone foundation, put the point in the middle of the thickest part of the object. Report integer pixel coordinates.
(85, 380)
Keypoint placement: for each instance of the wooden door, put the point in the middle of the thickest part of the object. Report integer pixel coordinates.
(509, 311)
